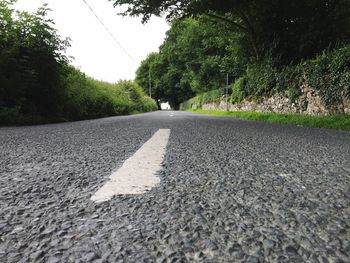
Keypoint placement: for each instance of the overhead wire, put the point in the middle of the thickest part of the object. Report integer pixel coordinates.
(109, 32)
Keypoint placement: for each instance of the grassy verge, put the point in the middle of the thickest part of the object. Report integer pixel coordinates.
(339, 122)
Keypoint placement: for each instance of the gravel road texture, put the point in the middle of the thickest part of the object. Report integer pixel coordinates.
(230, 191)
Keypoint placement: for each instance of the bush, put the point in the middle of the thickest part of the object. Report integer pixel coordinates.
(189, 104)
(329, 74)
(207, 97)
(211, 96)
(261, 78)
(86, 98)
(289, 80)
(238, 92)
(89, 98)
(31, 59)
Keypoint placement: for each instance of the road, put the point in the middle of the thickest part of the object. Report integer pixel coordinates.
(230, 191)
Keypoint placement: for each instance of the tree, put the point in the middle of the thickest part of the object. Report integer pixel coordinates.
(31, 59)
(289, 30)
(167, 80)
(194, 58)
(151, 70)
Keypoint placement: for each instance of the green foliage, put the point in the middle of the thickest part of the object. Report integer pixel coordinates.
(266, 42)
(37, 85)
(88, 98)
(212, 96)
(238, 91)
(31, 61)
(194, 58)
(151, 70)
(290, 30)
(328, 73)
(197, 54)
(289, 79)
(339, 122)
(260, 79)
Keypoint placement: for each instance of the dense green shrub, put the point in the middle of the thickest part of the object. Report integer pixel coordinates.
(261, 78)
(238, 91)
(211, 96)
(37, 85)
(86, 98)
(289, 80)
(191, 103)
(329, 74)
(89, 98)
(31, 59)
(207, 97)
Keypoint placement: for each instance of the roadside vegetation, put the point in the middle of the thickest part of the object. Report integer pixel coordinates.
(339, 122)
(328, 73)
(264, 46)
(37, 84)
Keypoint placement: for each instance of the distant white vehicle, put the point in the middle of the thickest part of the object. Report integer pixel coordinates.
(165, 106)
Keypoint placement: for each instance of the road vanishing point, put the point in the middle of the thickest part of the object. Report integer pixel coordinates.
(174, 187)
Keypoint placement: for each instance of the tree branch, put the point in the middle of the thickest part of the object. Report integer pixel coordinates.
(248, 30)
(225, 19)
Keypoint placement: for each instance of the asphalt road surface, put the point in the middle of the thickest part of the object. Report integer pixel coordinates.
(229, 191)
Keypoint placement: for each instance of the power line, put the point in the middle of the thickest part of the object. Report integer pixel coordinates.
(109, 32)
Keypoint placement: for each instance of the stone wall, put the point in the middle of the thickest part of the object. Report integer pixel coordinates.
(308, 103)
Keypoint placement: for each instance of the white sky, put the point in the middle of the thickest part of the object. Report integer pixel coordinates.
(94, 50)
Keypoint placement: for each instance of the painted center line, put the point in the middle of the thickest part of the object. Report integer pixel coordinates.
(138, 173)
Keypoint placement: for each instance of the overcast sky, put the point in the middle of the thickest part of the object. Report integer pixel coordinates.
(94, 50)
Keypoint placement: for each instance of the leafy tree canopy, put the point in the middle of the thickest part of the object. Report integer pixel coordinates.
(287, 29)
(195, 57)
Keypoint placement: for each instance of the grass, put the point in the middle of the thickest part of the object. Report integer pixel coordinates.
(339, 122)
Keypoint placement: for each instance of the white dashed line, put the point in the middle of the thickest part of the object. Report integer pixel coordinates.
(139, 173)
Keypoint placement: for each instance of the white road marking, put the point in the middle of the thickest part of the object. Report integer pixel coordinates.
(138, 173)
